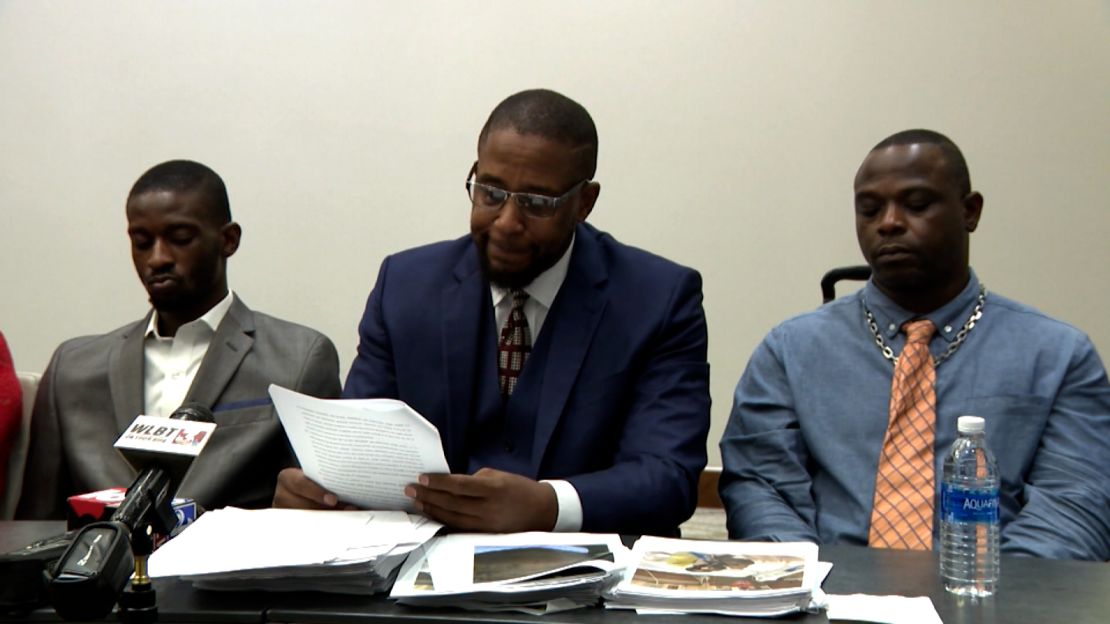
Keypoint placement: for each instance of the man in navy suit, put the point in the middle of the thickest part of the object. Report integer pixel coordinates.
(566, 372)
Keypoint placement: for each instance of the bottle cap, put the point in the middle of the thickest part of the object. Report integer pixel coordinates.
(970, 424)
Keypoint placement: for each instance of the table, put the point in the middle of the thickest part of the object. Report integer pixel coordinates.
(177, 600)
(1031, 590)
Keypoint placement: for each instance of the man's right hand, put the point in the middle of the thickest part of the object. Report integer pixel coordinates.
(296, 491)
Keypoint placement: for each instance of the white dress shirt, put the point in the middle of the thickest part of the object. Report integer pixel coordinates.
(171, 363)
(541, 294)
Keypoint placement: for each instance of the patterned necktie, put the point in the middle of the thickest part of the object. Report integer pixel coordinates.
(514, 346)
(905, 485)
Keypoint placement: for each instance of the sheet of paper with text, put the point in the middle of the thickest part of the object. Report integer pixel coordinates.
(365, 451)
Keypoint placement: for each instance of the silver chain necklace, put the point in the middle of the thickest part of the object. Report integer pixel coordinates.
(961, 335)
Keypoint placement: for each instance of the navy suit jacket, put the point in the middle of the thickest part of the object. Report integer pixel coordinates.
(624, 398)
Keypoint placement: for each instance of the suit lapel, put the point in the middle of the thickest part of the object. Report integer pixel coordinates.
(463, 302)
(573, 320)
(230, 344)
(126, 373)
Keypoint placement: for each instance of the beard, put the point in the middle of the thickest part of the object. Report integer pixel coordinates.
(192, 289)
(171, 302)
(507, 279)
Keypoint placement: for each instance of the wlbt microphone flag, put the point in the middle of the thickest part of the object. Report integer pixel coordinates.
(151, 441)
(161, 451)
(171, 443)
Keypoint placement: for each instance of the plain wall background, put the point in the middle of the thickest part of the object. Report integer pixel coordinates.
(729, 136)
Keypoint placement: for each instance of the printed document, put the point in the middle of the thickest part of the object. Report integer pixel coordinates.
(750, 579)
(354, 552)
(365, 451)
(535, 573)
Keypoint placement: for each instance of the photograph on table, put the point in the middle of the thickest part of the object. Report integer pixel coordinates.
(692, 570)
(494, 563)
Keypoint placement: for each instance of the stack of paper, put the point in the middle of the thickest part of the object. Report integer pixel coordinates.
(529, 572)
(732, 578)
(351, 552)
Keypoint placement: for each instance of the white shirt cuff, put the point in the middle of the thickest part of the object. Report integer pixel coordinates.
(569, 519)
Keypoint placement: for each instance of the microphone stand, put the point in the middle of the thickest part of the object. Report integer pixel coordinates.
(138, 602)
(153, 511)
(91, 575)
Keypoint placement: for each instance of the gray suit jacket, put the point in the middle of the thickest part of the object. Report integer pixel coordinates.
(93, 388)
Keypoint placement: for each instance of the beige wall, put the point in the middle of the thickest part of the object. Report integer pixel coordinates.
(730, 132)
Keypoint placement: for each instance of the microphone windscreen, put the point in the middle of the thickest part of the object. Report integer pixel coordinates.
(196, 412)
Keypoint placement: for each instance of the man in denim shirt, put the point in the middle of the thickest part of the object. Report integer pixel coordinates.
(802, 446)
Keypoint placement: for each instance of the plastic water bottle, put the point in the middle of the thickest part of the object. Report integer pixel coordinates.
(969, 513)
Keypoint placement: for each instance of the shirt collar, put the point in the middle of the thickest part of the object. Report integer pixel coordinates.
(890, 316)
(212, 318)
(546, 285)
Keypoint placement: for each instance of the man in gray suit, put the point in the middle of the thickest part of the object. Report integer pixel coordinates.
(199, 343)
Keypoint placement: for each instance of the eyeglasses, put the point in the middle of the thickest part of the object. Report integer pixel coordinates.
(490, 199)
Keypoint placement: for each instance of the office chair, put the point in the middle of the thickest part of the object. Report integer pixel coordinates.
(828, 282)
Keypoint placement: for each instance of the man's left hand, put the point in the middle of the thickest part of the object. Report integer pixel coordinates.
(490, 500)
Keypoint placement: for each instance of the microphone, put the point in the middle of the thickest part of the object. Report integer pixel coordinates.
(94, 569)
(162, 454)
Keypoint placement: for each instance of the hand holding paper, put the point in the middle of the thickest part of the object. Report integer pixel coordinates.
(296, 491)
(489, 500)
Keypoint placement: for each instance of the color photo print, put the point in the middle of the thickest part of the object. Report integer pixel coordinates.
(494, 564)
(695, 571)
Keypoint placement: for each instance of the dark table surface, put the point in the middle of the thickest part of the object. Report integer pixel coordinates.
(177, 600)
(1031, 590)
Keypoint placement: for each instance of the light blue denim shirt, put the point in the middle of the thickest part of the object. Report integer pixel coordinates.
(802, 445)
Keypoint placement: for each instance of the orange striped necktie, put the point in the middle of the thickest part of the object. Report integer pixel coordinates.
(905, 484)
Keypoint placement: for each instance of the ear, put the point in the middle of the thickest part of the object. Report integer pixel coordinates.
(590, 191)
(230, 234)
(973, 209)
